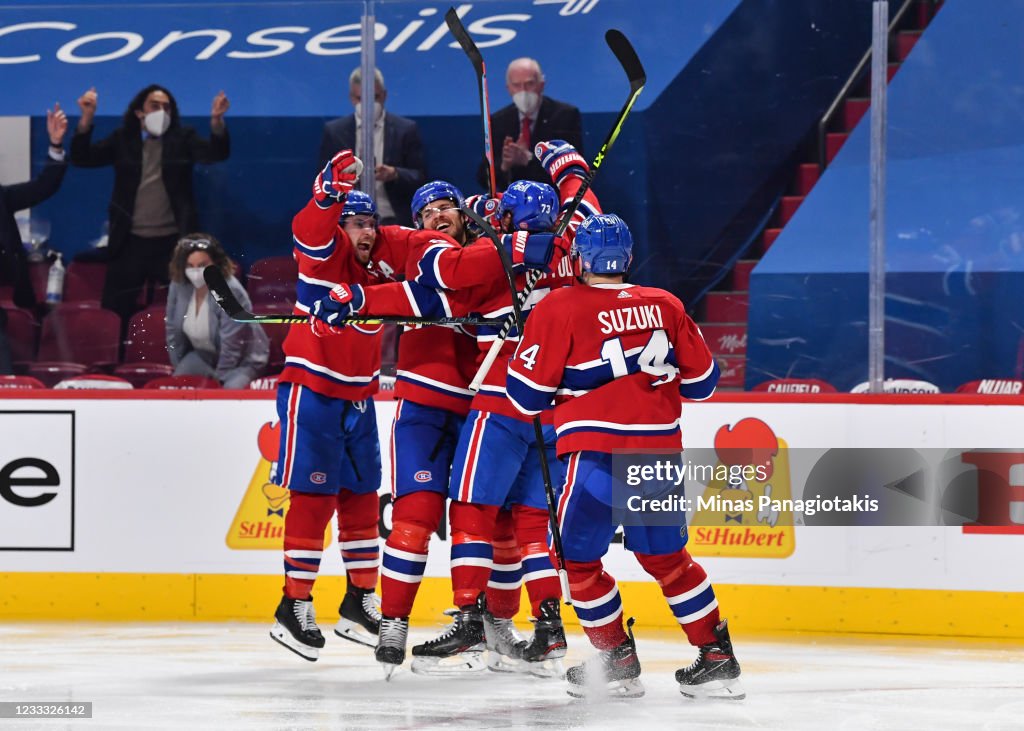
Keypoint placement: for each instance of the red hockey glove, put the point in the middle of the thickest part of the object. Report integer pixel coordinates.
(485, 207)
(337, 178)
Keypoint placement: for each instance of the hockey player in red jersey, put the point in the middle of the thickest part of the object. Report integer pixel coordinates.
(495, 462)
(329, 457)
(617, 359)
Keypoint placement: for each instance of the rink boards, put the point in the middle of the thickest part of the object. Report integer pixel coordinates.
(139, 508)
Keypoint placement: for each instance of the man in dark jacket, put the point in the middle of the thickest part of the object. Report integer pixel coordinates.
(14, 280)
(531, 118)
(153, 202)
(399, 167)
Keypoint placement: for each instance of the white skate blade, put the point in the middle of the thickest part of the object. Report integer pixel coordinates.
(630, 688)
(355, 632)
(718, 690)
(465, 663)
(504, 664)
(282, 636)
(552, 668)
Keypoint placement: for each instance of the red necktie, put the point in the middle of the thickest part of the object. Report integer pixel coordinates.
(524, 133)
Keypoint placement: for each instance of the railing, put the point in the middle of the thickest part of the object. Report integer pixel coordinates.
(855, 77)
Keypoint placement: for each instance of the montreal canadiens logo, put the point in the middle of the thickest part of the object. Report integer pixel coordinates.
(422, 476)
(318, 478)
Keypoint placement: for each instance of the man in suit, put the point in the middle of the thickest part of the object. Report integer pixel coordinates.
(398, 150)
(531, 118)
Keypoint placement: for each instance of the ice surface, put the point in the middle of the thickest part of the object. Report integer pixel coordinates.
(193, 675)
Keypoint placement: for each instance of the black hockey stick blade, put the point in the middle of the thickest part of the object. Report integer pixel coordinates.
(462, 36)
(628, 59)
(469, 47)
(224, 297)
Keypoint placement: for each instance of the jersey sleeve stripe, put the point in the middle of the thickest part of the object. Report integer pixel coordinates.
(321, 252)
(702, 388)
(429, 271)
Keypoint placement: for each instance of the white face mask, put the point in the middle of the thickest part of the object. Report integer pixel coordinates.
(378, 111)
(156, 123)
(195, 275)
(526, 101)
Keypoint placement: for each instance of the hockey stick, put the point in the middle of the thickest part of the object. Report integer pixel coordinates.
(538, 428)
(224, 297)
(469, 47)
(630, 63)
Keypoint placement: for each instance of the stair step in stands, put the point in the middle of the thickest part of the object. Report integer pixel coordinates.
(726, 338)
(726, 306)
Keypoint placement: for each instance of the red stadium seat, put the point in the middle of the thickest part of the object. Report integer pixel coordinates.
(83, 284)
(147, 337)
(90, 336)
(796, 385)
(179, 382)
(20, 382)
(22, 334)
(271, 284)
(53, 373)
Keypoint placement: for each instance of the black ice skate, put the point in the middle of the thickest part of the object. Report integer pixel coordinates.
(614, 672)
(504, 643)
(359, 617)
(457, 650)
(296, 628)
(548, 644)
(715, 673)
(390, 650)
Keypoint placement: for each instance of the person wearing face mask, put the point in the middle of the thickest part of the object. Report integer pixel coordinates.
(202, 340)
(532, 117)
(399, 167)
(153, 202)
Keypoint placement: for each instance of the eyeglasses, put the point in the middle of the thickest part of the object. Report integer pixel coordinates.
(194, 244)
(432, 211)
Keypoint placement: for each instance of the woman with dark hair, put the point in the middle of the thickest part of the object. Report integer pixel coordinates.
(201, 339)
(153, 202)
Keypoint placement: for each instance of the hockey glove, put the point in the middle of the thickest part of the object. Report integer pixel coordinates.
(485, 207)
(328, 314)
(337, 178)
(561, 159)
(535, 250)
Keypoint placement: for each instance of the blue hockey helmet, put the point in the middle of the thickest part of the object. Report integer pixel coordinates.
(603, 244)
(358, 203)
(435, 190)
(531, 203)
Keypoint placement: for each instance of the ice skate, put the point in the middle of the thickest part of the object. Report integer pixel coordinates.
(614, 672)
(715, 673)
(456, 651)
(504, 643)
(296, 628)
(359, 617)
(390, 650)
(548, 645)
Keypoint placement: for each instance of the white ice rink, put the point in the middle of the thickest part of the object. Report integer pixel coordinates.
(233, 676)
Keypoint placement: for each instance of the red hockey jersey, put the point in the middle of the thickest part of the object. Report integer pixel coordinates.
(617, 360)
(345, 366)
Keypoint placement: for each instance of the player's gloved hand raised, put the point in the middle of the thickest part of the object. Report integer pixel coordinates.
(487, 208)
(535, 250)
(560, 159)
(337, 178)
(329, 313)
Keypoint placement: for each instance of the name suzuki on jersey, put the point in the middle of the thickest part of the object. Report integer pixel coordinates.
(629, 319)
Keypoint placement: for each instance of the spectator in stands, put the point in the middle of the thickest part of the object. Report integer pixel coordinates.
(13, 198)
(201, 339)
(153, 203)
(398, 150)
(531, 118)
